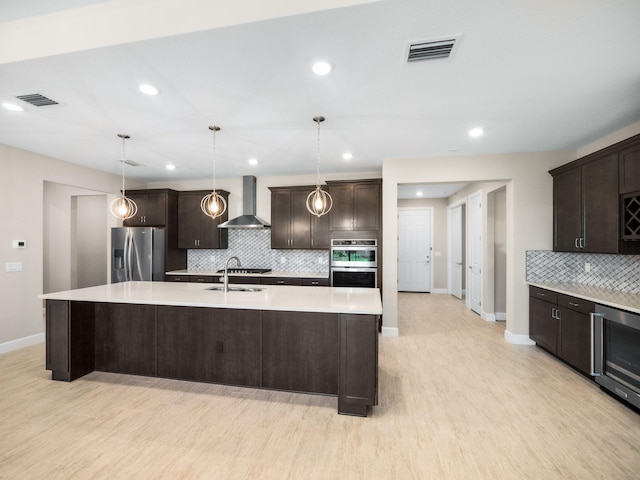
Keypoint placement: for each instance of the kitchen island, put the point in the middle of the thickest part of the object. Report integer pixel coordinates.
(319, 340)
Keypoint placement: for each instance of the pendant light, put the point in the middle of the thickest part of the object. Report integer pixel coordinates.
(319, 202)
(214, 205)
(123, 207)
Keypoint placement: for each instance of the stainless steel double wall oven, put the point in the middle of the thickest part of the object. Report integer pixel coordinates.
(354, 263)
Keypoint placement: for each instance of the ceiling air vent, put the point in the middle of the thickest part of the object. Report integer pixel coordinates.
(433, 49)
(37, 100)
(131, 163)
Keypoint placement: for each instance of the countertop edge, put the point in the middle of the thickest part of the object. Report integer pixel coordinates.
(603, 296)
(322, 275)
(272, 297)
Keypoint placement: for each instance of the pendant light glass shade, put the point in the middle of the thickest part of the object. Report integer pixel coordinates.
(319, 202)
(123, 207)
(213, 205)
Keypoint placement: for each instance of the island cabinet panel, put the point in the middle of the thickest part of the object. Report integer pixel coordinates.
(67, 324)
(209, 345)
(543, 324)
(358, 364)
(125, 338)
(300, 351)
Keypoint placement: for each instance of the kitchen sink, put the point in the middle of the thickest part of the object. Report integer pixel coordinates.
(237, 289)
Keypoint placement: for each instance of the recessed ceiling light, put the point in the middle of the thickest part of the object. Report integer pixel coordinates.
(253, 161)
(13, 107)
(321, 68)
(347, 155)
(419, 193)
(171, 167)
(476, 132)
(149, 89)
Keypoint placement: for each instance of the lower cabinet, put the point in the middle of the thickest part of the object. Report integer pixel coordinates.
(561, 324)
(300, 351)
(209, 345)
(125, 338)
(315, 352)
(358, 364)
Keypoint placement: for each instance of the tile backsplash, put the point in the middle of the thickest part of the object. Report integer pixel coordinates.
(253, 247)
(616, 272)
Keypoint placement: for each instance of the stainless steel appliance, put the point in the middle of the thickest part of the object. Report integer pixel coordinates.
(616, 352)
(137, 253)
(354, 263)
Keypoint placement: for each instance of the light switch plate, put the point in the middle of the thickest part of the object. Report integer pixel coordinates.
(13, 266)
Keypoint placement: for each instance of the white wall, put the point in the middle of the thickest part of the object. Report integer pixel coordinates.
(22, 217)
(529, 217)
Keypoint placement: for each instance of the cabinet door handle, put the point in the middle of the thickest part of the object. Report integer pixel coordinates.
(553, 312)
(542, 294)
(581, 242)
(280, 282)
(576, 243)
(574, 304)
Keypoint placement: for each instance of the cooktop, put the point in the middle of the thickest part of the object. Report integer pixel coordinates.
(246, 270)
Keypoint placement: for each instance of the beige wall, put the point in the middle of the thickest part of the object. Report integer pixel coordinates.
(500, 251)
(529, 214)
(22, 217)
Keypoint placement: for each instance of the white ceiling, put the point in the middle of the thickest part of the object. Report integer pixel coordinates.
(428, 190)
(536, 75)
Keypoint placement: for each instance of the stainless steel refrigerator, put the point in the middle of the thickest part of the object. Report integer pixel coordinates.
(138, 254)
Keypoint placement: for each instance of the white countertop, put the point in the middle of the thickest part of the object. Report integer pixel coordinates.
(603, 296)
(272, 297)
(268, 274)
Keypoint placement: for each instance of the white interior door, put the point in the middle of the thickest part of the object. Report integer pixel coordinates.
(455, 249)
(414, 249)
(474, 287)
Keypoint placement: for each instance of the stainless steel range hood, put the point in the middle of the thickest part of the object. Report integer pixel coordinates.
(248, 218)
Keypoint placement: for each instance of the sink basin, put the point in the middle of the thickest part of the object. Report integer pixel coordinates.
(237, 289)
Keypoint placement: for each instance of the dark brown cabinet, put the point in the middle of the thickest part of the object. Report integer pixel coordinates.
(292, 226)
(356, 205)
(197, 230)
(585, 206)
(316, 352)
(629, 159)
(300, 351)
(358, 364)
(209, 345)
(159, 208)
(125, 338)
(561, 324)
(67, 324)
(153, 207)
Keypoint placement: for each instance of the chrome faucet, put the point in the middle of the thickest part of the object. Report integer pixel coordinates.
(226, 273)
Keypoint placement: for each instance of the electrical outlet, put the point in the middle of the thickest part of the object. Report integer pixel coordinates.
(587, 267)
(283, 260)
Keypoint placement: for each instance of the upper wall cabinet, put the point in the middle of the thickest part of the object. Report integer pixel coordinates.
(356, 205)
(587, 202)
(155, 207)
(292, 226)
(197, 230)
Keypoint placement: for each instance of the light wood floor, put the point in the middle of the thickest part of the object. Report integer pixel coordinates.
(456, 402)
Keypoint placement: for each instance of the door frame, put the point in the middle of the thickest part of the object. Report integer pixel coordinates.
(431, 212)
(463, 241)
(469, 238)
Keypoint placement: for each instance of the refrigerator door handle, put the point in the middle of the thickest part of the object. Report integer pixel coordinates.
(128, 255)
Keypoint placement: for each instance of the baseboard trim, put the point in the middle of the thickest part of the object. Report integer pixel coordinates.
(21, 342)
(440, 291)
(488, 317)
(501, 316)
(390, 332)
(518, 339)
